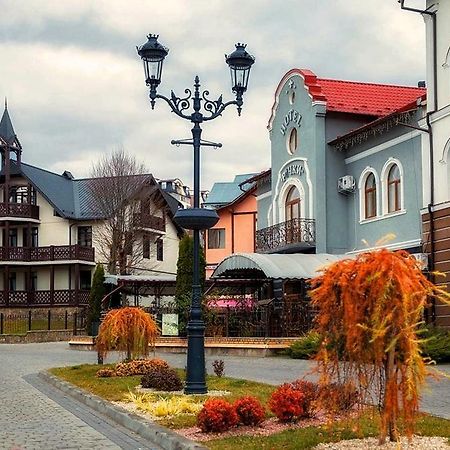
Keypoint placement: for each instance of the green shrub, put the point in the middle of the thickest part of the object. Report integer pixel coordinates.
(306, 347)
(436, 344)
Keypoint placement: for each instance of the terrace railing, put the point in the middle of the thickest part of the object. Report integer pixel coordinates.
(24, 210)
(286, 234)
(150, 221)
(59, 297)
(50, 253)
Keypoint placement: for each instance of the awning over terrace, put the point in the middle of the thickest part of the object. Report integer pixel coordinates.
(273, 266)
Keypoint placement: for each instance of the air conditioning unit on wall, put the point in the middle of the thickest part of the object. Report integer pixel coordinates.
(346, 185)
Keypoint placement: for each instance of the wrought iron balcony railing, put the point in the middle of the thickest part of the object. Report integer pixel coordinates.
(285, 234)
(24, 210)
(50, 253)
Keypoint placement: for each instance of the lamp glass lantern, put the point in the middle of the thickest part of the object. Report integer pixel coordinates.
(240, 63)
(152, 54)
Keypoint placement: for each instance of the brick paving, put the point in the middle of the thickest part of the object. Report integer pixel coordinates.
(36, 416)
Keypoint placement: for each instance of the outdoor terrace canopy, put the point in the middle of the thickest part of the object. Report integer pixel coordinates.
(274, 266)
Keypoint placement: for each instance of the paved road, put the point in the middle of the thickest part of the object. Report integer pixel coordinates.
(35, 416)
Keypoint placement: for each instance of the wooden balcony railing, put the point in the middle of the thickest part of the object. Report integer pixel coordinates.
(24, 210)
(281, 235)
(149, 221)
(65, 297)
(51, 253)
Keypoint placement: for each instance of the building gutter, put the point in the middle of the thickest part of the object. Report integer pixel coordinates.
(431, 146)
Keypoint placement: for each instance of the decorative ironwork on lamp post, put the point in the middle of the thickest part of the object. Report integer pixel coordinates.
(197, 108)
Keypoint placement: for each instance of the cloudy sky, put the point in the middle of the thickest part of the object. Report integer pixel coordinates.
(75, 85)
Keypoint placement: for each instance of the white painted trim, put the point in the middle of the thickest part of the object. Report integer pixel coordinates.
(385, 216)
(275, 199)
(269, 216)
(46, 263)
(265, 195)
(396, 246)
(361, 190)
(383, 146)
(440, 114)
(283, 195)
(444, 158)
(384, 187)
(20, 219)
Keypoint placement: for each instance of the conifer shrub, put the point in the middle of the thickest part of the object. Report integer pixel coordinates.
(249, 410)
(139, 367)
(305, 347)
(105, 373)
(162, 379)
(287, 403)
(217, 415)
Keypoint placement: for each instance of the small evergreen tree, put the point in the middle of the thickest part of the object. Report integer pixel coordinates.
(95, 297)
(183, 289)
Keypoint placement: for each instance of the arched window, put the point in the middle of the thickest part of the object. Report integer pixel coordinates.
(370, 197)
(292, 143)
(292, 205)
(393, 189)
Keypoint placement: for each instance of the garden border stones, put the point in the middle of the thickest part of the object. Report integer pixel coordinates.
(167, 439)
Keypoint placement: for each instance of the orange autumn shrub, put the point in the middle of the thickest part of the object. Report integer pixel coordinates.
(217, 415)
(249, 410)
(369, 312)
(139, 367)
(287, 403)
(128, 330)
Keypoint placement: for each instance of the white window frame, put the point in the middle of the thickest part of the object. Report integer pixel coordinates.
(362, 194)
(384, 187)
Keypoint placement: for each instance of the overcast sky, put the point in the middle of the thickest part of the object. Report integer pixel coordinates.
(76, 90)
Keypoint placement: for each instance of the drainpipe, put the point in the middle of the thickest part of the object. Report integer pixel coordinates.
(431, 146)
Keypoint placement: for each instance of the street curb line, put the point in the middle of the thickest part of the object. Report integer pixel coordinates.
(167, 439)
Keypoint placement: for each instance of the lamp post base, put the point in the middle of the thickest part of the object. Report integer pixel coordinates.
(195, 371)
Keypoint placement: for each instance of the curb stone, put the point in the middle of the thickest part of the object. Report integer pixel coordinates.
(167, 439)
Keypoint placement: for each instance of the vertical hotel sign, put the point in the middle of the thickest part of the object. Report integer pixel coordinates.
(292, 116)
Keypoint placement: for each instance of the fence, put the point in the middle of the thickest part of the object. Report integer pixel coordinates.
(41, 320)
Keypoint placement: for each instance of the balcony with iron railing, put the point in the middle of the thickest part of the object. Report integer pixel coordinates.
(149, 221)
(289, 236)
(19, 210)
(50, 253)
(62, 297)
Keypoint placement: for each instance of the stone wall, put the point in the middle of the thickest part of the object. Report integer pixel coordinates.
(37, 336)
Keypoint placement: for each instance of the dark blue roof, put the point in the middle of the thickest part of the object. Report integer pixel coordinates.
(6, 128)
(71, 198)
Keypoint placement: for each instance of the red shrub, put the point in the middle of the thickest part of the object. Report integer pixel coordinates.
(310, 393)
(217, 415)
(249, 410)
(286, 403)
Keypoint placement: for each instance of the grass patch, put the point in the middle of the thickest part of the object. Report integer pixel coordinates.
(116, 388)
(298, 439)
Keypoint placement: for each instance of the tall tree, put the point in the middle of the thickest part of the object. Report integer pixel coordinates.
(183, 288)
(369, 312)
(95, 297)
(117, 187)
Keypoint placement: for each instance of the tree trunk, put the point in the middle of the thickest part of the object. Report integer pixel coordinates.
(390, 420)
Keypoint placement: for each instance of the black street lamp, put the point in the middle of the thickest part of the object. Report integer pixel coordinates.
(190, 108)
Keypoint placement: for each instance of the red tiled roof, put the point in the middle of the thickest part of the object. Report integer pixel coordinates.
(366, 98)
(369, 99)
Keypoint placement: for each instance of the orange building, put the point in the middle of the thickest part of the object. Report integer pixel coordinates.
(235, 230)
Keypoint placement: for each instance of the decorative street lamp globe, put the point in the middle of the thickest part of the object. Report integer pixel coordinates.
(197, 108)
(240, 63)
(152, 54)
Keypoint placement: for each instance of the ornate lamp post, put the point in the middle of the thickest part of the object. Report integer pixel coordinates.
(197, 108)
